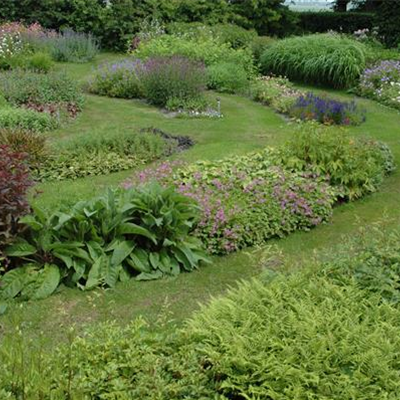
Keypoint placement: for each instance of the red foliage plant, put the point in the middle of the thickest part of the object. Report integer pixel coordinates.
(15, 181)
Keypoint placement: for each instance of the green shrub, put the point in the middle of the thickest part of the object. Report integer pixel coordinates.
(227, 78)
(54, 89)
(389, 23)
(27, 142)
(326, 59)
(173, 77)
(103, 154)
(354, 166)
(370, 259)
(324, 21)
(298, 337)
(121, 79)
(210, 51)
(258, 45)
(40, 62)
(233, 35)
(24, 119)
(37, 62)
(142, 233)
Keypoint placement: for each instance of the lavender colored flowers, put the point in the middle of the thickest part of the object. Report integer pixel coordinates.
(382, 83)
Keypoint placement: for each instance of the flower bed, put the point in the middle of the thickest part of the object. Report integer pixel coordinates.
(382, 83)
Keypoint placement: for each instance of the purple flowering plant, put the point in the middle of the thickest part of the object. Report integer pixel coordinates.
(382, 83)
(173, 82)
(327, 111)
(120, 79)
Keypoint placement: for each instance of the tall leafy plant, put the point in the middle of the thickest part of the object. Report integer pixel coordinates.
(143, 233)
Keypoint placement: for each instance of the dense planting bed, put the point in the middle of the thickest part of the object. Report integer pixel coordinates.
(146, 174)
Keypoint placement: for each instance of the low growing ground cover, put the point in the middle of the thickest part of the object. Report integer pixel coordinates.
(274, 336)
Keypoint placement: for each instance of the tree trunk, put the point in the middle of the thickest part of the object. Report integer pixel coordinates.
(341, 5)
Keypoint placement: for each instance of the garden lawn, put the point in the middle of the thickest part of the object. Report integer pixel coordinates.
(247, 126)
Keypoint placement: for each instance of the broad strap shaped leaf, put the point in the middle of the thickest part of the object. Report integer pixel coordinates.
(144, 276)
(121, 252)
(139, 261)
(12, 283)
(21, 249)
(46, 282)
(129, 228)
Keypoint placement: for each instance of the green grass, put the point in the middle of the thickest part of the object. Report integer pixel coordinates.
(247, 126)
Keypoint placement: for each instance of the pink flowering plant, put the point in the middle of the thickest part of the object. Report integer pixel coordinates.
(246, 200)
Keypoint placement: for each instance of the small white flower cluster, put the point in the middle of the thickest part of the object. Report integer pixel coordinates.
(10, 43)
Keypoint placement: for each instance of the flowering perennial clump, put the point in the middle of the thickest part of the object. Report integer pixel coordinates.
(276, 92)
(327, 111)
(382, 83)
(246, 200)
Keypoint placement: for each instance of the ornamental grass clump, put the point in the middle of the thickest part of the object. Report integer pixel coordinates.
(326, 111)
(382, 83)
(324, 59)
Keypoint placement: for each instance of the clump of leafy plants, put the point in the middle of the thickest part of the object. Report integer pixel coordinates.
(32, 144)
(70, 46)
(246, 200)
(25, 119)
(121, 79)
(173, 82)
(55, 93)
(326, 111)
(142, 233)
(107, 153)
(355, 166)
(175, 79)
(227, 77)
(208, 51)
(272, 336)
